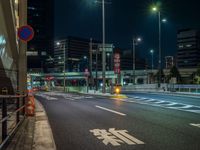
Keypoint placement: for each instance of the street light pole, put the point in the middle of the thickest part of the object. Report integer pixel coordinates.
(103, 48)
(134, 61)
(64, 67)
(135, 42)
(152, 51)
(91, 75)
(64, 60)
(159, 62)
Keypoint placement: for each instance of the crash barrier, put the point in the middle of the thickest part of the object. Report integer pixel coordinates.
(191, 88)
(12, 113)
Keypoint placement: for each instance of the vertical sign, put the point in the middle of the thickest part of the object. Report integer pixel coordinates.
(117, 63)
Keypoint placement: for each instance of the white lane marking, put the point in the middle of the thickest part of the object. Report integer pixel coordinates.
(159, 102)
(151, 100)
(195, 125)
(171, 104)
(115, 137)
(194, 111)
(110, 110)
(143, 98)
(186, 106)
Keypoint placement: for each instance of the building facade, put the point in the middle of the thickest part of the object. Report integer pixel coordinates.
(9, 44)
(75, 52)
(188, 44)
(40, 49)
(127, 61)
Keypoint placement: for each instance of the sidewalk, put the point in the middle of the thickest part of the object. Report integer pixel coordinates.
(34, 133)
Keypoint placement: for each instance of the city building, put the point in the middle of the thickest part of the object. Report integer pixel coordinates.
(97, 56)
(76, 53)
(40, 49)
(127, 61)
(188, 44)
(10, 21)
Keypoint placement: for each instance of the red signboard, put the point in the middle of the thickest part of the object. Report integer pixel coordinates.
(117, 63)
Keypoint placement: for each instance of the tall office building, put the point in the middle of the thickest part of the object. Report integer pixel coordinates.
(127, 61)
(41, 18)
(75, 52)
(188, 43)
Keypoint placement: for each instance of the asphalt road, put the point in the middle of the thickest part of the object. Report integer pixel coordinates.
(85, 122)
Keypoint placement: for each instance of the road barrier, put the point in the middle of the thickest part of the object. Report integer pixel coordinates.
(30, 105)
(12, 114)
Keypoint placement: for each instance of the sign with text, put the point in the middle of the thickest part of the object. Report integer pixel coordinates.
(117, 63)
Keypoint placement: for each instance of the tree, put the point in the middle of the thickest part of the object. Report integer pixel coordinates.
(174, 73)
(197, 76)
(162, 76)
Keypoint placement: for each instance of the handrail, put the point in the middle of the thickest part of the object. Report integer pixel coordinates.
(18, 111)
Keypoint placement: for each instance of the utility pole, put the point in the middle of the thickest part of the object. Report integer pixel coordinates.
(136, 41)
(134, 61)
(91, 76)
(103, 48)
(64, 67)
(96, 69)
(159, 62)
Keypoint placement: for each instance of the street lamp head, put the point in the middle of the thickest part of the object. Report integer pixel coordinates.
(154, 8)
(58, 43)
(164, 20)
(152, 51)
(85, 57)
(139, 39)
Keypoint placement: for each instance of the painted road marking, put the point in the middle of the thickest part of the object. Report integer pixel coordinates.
(115, 137)
(165, 104)
(196, 125)
(110, 110)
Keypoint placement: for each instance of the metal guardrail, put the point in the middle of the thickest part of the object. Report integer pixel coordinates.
(12, 111)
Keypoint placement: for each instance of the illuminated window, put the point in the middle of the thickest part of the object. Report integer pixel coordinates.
(188, 45)
(180, 46)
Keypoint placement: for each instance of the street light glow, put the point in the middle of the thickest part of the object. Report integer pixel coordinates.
(58, 43)
(154, 9)
(164, 20)
(151, 51)
(139, 39)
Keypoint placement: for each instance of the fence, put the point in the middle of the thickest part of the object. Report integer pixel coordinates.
(12, 113)
(193, 88)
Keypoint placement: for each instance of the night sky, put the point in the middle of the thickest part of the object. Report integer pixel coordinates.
(125, 19)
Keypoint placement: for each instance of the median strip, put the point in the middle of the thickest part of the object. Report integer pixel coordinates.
(110, 110)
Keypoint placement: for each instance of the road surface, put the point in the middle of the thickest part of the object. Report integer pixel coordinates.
(81, 122)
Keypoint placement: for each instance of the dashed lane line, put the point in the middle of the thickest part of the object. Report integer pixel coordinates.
(195, 125)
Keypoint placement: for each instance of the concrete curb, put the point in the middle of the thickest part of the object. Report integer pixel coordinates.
(43, 136)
